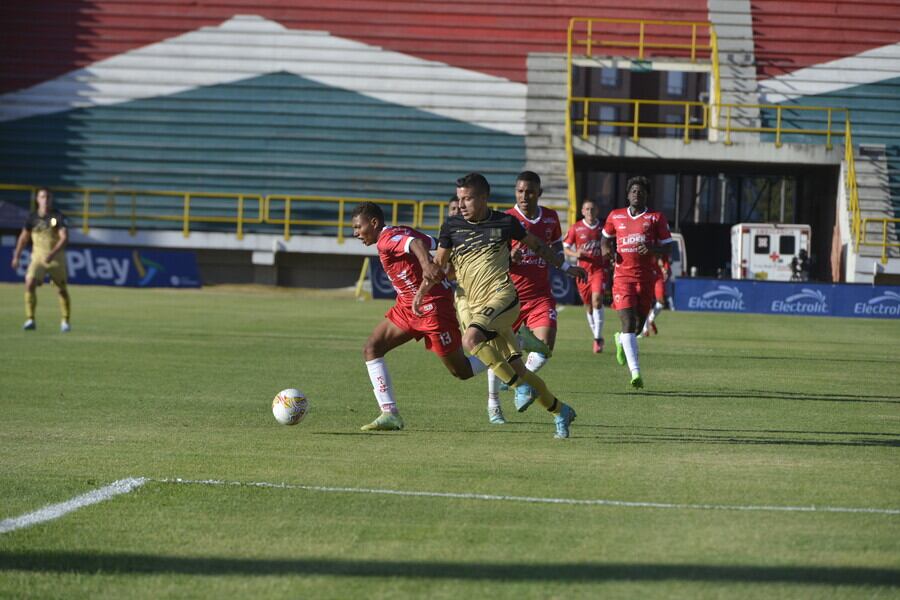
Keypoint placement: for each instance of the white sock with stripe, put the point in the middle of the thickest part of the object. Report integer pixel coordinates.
(629, 343)
(381, 385)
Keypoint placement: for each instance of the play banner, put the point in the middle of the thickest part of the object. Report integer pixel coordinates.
(116, 266)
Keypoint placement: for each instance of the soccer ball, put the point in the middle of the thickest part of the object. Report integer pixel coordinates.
(290, 406)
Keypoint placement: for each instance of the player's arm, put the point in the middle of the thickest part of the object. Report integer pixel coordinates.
(570, 250)
(552, 257)
(440, 261)
(23, 240)
(60, 244)
(430, 271)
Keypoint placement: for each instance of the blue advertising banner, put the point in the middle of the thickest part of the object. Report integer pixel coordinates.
(116, 266)
(768, 297)
(562, 286)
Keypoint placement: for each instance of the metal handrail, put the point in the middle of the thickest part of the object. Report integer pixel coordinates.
(641, 44)
(884, 243)
(340, 222)
(132, 211)
(441, 207)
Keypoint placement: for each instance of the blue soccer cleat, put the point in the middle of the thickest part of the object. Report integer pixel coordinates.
(524, 396)
(563, 420)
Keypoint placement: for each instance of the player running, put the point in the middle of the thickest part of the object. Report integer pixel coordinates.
(641, 235)
(663, 273)
(477, 245)
(404, 254)
(531, 275)
(583, 242)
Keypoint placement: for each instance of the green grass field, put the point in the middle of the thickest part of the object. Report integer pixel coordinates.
(739, 411)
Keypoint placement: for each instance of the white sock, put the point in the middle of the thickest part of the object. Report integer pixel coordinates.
(597, 327)
(590, 319)
(477, 365)
(493, 390)
(654, 312)
(381, 385)
(535, 361)
(629, 343)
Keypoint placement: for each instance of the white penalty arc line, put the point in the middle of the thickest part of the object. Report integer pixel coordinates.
(538, 500)
(55, 511)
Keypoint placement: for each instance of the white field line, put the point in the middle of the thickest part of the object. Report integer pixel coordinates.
(55, 511)
(569, 501)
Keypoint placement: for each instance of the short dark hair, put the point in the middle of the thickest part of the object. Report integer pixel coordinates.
(638, 180)
(476, 181)
(453, 198)
(368, 210)
(529, 176)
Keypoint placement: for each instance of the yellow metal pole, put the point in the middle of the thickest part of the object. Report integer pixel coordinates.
(590, 34)
(584, 115)
(884, 241)
(828, 135)
(687, 123)
(641, 42)
(728, 126)
(186, 228)
(287, 218)
(86, 209)
(240, 219)
(362, 279)
(694, 42)
(637, 112)
(778, 127)
(341, 219)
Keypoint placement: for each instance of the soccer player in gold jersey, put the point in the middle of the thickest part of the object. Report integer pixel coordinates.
(477, 245)
(46, 230)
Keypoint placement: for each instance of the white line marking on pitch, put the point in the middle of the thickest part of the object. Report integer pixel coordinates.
(570, 501)
(55, 511)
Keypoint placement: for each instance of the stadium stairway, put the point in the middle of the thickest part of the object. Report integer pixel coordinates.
(874, 203)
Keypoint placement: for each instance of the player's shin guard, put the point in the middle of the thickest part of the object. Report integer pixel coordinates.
(535, 361)
(492, 358)
(597, 320)
(543, 395)
(30, 304)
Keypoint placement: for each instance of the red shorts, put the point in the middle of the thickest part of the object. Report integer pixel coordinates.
(637, 295)
(438, 326)
(593, 285)
(537, 312)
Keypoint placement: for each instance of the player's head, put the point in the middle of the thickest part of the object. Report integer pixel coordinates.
(638, 191)
(367, 220)
(473, 191)
(43, 198)
(528, 190)
(589, 210)
(453, 206)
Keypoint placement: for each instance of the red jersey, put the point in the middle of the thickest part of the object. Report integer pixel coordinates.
(650, 228)
(585, 239)
(531, 276)
(403, 268)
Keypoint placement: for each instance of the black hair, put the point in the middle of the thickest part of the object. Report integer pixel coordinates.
(529, 176)
(476, 181)
(368, 210)
(638, 180)
(453, 198)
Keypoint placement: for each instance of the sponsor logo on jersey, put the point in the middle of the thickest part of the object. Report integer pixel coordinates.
(807, 302)
(721, 298)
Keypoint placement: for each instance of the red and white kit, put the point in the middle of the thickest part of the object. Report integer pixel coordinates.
(438, 324)
(635, 274)
(585, 240)
(531, 275)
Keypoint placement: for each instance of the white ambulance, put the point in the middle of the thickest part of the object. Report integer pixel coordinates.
(766, 250)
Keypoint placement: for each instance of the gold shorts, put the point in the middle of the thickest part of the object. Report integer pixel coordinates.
(56, 269)
(497, 316)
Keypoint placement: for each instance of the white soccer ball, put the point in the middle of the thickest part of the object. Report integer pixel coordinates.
(290, 406)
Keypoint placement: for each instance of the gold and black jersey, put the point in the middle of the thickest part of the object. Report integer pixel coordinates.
(45, 230)
(480, 253)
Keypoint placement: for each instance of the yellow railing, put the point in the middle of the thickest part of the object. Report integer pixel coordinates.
(690, 122)
(884, 243)
(340, 221)
(592, 39)
(129, 207)
(433, 213)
